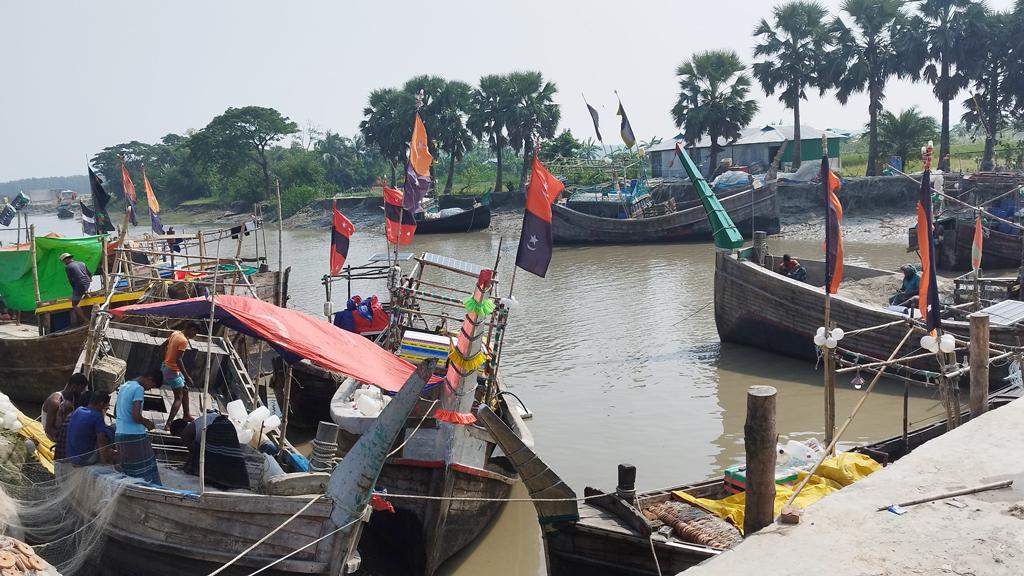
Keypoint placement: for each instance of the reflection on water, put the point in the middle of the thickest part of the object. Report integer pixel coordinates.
(617, 355)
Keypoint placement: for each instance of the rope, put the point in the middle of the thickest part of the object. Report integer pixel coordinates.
(650, 538)
(265, 538)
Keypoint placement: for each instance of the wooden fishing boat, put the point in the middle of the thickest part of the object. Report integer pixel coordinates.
(64, 212)
(617, 534)
(476, 218)
(955, 240)
(180, 524)
(750, 209)
(439, 461)
(756, 306)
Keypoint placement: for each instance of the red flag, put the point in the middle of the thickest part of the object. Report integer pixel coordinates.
(979, 233)
(341, 231)
(535, 242)
(833, 229)
(399, 223)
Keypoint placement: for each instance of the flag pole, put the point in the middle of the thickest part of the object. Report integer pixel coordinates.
(830, 364)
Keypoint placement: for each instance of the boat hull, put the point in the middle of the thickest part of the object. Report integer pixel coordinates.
(761, 308)
(477, 218)
(31, 369)
(165, 530)
(749, 209)
(999, 249)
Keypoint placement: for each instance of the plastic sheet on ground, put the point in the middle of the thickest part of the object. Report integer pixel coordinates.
(833, 474)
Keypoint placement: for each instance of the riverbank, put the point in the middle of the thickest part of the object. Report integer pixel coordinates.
(979, 534)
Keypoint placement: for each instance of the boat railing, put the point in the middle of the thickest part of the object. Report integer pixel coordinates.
(984, 290)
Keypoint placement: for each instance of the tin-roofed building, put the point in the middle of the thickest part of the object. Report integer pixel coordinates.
(756, 148)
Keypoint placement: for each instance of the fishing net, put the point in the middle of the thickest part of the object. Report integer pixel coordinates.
(64, 519)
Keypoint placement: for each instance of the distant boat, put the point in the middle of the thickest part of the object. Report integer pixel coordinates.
(955, 239)
(64, 212)
(452, 220)
(752, 208)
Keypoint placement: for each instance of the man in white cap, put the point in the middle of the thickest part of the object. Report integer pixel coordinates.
(79, 278)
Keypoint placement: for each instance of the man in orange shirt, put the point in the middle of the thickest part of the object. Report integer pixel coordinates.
(174, 372)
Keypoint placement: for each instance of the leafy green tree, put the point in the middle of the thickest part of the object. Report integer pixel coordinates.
(588, 149)
(387, 125)
(954, 33)
(349, 162)
(879, 44)
(533, 114)
(562, 146)
(713, 90)
(988, 109)
(903, 134)
(489, 115)
(793, 49)
(241, 137)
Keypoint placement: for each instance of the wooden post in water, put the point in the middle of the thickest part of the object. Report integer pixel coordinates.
(759, 439)
(979, 363)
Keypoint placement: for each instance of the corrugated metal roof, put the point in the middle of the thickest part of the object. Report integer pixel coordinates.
(767, 134)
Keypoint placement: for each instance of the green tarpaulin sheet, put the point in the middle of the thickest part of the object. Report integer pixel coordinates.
(16, 287)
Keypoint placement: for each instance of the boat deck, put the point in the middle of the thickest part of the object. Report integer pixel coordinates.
(18, 331)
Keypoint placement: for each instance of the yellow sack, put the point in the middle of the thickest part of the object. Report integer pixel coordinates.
(833, 474)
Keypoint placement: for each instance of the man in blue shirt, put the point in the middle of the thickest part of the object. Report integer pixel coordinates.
(909, 288)
(137, 456)
(88, 436)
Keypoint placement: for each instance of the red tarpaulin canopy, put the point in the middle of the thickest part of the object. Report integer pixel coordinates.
(292, 334)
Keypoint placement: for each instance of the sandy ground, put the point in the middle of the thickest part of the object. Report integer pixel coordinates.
(979, 535)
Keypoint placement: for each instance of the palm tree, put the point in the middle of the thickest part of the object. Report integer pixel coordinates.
(534, 114)
(988, 108)
(954, 32)
(713, 89)
(794, 49)
(867, 54)
(488, 116)
(387, 125)
(449, 110)
(588, 149)
(902, 134)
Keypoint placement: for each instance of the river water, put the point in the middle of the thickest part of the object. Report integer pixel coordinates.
(617, 356)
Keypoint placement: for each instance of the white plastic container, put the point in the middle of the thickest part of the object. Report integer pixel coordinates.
(368, 405)
(256, 417)
(272, 423)
(236, 411)
(244, 436)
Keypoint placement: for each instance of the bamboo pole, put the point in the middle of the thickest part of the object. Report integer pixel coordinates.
(954, 493)
(856, 409)
(759, 440)
(287, 404)
(35, 265)
(206, 381)
(830, 360)
(280, 250)
(106, 265)
(979, 363)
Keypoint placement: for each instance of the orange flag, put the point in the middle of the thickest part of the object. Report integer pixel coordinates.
(419, 151)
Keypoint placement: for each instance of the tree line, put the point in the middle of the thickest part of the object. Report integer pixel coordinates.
(956, 46)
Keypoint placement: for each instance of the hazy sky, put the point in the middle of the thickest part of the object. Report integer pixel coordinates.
(79, 76)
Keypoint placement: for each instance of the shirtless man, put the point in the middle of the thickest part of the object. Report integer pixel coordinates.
(59, 405)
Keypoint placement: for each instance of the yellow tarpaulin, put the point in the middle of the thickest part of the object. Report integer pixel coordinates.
(833, 474)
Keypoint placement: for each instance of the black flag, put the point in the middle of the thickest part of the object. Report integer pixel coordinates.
(88, 220)
(99, 204)
(593, 116)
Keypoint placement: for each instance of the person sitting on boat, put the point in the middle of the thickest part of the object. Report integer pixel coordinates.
(80, 279)
(910, 286)
(89, 438)
(792, 268)
(59, 405)
(137, 456)
(225, 462)
(174, 372)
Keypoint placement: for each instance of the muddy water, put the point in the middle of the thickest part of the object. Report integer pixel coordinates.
(616, 354)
